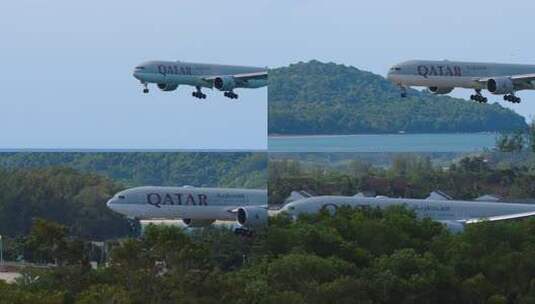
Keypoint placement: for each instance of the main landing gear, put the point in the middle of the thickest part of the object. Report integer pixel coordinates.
(231, 95)
(512, 98)
(246, 233)
(478, 97)
(198, 94)
(145, 88)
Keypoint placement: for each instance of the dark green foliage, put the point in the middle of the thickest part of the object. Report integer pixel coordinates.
(355, 256)
(244, 170)
(54, 186)
(60, 194)
(407, 176)
(326, 98)
(510, 142)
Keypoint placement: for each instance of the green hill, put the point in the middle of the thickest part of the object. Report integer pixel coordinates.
(328, 98)
(243, 170)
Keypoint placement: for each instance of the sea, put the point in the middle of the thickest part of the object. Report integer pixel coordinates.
(451, 142)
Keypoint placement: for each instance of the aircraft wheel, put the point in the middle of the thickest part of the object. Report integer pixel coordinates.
(145, 91)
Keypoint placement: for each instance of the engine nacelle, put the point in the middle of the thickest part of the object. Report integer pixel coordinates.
(167, 87)
(440, 90)
(197, 223)
(500, 86)
(252, 217)
(225, 83)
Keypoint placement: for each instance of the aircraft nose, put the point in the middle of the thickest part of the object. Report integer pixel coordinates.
(136, 75)
(109, 203)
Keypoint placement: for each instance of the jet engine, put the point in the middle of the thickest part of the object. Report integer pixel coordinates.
(252, 217)
(440, 90)
(197, 223)
(500, 86)
(167, 87)
(225, 83)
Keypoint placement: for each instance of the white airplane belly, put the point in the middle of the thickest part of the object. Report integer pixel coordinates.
(187, 80)
(437, 81)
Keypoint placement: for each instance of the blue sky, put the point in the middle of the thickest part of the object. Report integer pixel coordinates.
(67, 83)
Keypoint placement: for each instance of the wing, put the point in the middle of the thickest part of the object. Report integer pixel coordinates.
(521, 80)
(235, 210)
(514, 216)
(242, 77)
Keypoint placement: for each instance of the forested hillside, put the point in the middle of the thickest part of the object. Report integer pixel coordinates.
(327, 98)
(72, 188)
(63, 195)
(407, 176)
(357, 256)
(246, 170)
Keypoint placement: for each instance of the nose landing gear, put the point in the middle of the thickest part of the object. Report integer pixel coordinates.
(403, 92)
(145, 88)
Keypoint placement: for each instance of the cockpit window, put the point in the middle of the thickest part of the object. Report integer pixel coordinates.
(395, 69)
(140, 68)
(121, 197)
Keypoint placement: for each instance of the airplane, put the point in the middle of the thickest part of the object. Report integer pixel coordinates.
(441, 77)
(195, 207)
(454, 214)
(168, 75)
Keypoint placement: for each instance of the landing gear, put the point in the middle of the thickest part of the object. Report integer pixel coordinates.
(135, 227)
(244, 232)
(512, 98)
(145, 88)
(403, 91)
(231, 95)
(478, 97)
(198, 94)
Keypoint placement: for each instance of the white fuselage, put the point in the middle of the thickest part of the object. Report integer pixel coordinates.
(184, 202)
(440, 210)
(193, 74)
(454, 74)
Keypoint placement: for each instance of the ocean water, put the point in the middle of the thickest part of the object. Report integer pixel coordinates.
(455, 142)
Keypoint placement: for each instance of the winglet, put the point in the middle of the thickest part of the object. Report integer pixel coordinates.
(439, 195)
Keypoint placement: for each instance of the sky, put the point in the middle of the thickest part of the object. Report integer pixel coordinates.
(67, 65)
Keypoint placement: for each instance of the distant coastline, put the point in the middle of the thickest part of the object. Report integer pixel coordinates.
(374, 134)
